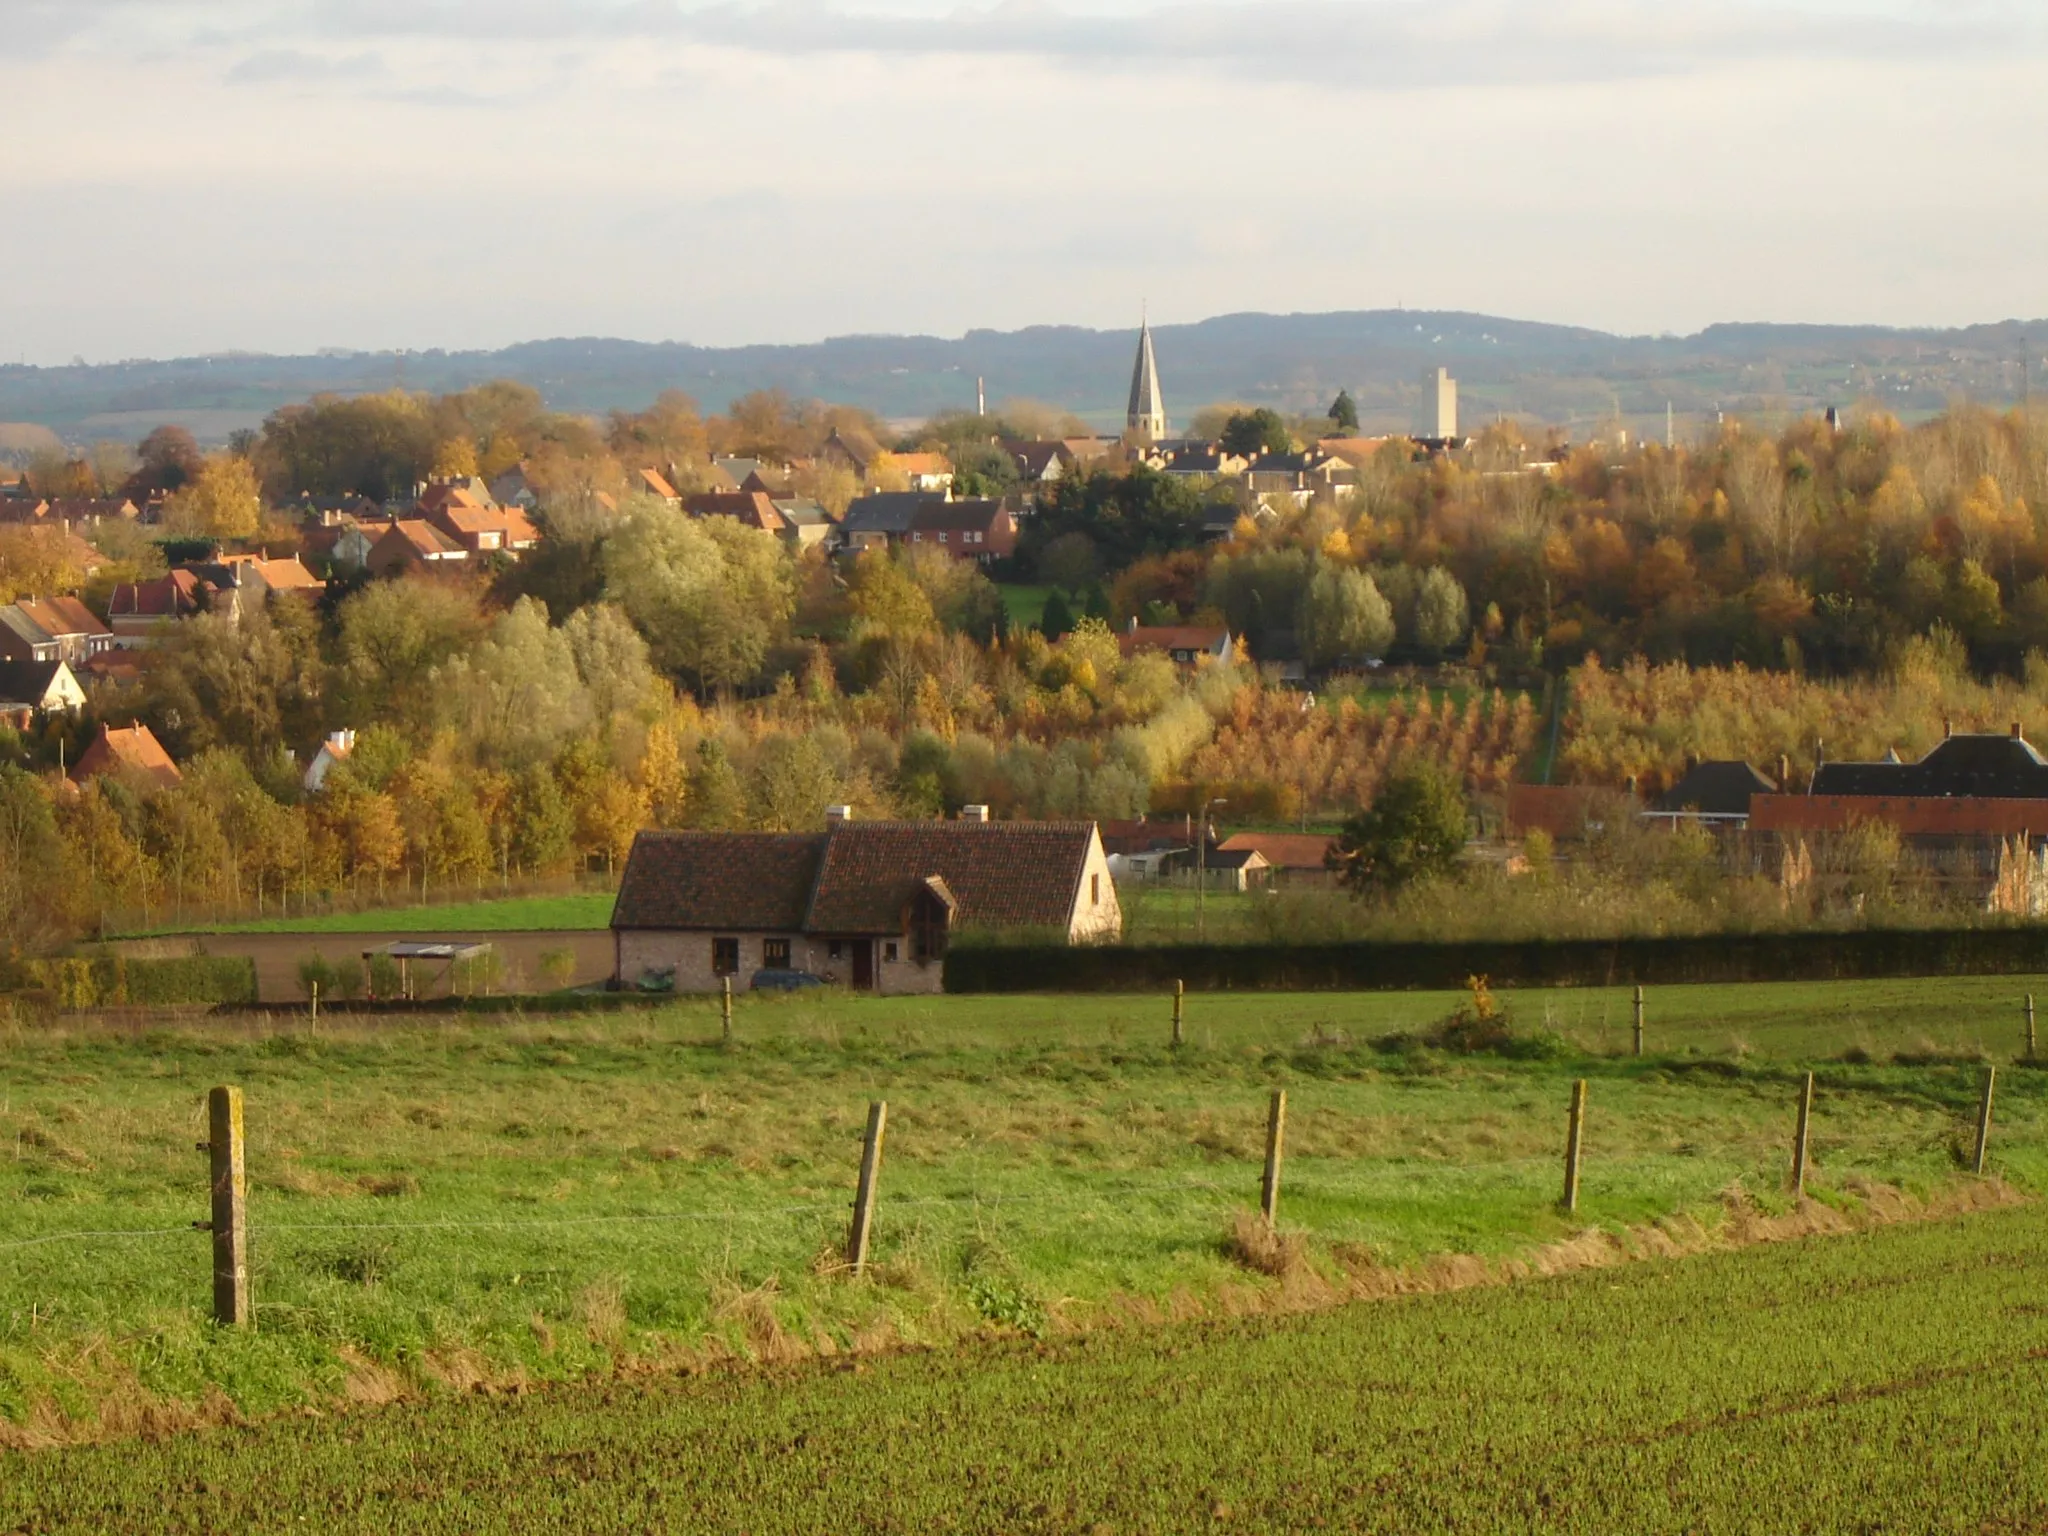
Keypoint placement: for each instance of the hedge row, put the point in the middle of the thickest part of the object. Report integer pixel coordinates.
(110, 980)
(1368, 967)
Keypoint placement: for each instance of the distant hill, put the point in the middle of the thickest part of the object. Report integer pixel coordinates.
(1562, 375)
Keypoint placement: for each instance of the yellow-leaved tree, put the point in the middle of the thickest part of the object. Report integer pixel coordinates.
(222, 502)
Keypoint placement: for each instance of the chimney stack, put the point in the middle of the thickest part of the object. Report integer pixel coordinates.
(974, 813)
(2015, 730)
(1948, 729)
(838, 815)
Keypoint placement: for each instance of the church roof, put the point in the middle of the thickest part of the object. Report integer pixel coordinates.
(1148, 409)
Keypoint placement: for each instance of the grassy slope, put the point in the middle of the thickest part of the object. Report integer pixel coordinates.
(512, 914)
(1890, 1381)
(530, 1195)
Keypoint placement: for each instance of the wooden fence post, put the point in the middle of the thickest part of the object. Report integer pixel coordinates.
(1573, 1136)
(230, 1223)
(725, 1005)
(1984, 1120)
(1639, 1019)
(1179, 991)
(1276, 1135)
(1799, 1137)
(316, 1002)
(2030, 1026)
(864, 1196)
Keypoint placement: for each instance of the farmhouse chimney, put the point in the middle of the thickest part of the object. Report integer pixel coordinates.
(1948, 729)
(2015, 730)
(838, 815)
(974, 813)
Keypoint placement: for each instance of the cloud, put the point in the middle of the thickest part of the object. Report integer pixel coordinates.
(275, 65)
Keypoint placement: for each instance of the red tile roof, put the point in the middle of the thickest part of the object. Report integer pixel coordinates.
(61, 615)
(130, 749)
(1282, 850)
(754, 508)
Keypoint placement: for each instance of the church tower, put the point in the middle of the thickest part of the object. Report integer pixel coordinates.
(1147, 419)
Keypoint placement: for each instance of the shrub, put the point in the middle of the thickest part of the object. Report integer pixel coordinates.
(557, 967)
(348, 977)
(316, 974)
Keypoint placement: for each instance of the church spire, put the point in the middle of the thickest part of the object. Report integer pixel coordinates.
(1147, 418)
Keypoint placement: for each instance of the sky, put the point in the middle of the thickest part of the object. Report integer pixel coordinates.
(186, 178)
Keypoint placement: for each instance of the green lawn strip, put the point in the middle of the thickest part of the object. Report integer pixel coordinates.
(1885, 1381)
(1026, 604)
(541, 1193)
(511, 914)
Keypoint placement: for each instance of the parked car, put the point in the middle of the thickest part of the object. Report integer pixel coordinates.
(785, 981)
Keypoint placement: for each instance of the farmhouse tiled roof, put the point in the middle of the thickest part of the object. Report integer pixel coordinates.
(857, 878)
(1004, 874)
(751, 880)
(754, 508)
(1281, 850)
(979, 514)
(130, 749)
(1172, 637)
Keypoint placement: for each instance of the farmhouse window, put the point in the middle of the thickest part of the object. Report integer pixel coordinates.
(1095, 890)
(889, 950)
(725, 957)
(775, 954)
(836, 949)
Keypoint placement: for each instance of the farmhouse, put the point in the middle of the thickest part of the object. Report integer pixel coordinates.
(872, 905)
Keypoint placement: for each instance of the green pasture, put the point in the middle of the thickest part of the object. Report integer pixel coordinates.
(578, 911)
(1890, 1381)
(536, 1197)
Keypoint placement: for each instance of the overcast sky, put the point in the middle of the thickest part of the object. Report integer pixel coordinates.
(183, 178)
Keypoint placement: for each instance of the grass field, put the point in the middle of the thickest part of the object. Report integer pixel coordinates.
(527, 1198)
(1890, 1381)
(581, 910)
(1026, 604)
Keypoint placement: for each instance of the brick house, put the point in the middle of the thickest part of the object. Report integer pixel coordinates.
(52, 629)
(413, 544)
(871, 905)
(980, 529)
(756, 509)
(1185, 643)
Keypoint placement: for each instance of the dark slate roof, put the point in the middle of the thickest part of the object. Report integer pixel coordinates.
(1719, 788)
(886, 511)
(1992, 766)
(27, 682)
(978, 513)
(751, 880)
(857, 878)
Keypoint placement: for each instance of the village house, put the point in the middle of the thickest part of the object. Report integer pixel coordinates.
(413, 544)
(1715, 794)
(52, 629)
(138, 611)
(750, 475)
(334, 751)
(127, 752)
(929, 472)
(1186, 644)
(31, 689)
(1288, 858)
(651, 483)
(871, 905)
(882, 519)
(982, 529)
(754, 509)
(852, 449)
(806, 523)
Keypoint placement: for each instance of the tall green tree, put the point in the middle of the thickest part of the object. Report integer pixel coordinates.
(1414, 830)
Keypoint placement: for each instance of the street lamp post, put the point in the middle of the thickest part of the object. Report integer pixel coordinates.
(1202, 870)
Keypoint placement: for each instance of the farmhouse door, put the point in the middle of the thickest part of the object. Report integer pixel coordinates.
(864, 965)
